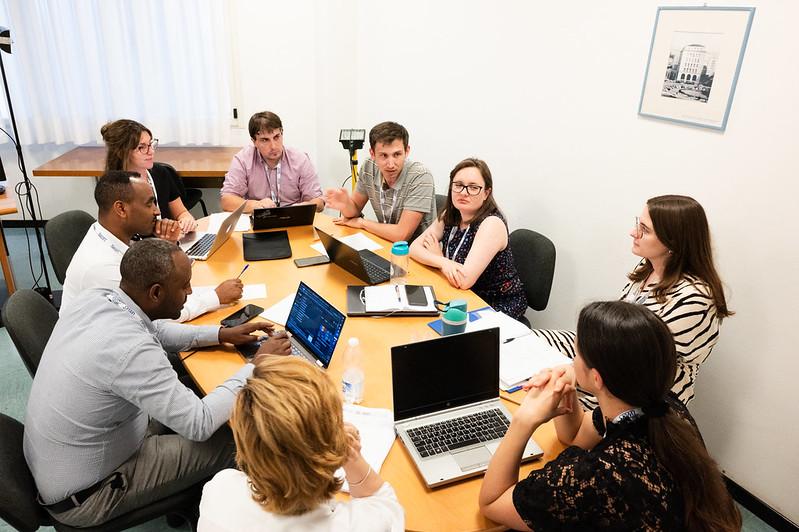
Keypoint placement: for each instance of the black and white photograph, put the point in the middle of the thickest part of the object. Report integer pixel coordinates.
(694, 61)
(691, 67)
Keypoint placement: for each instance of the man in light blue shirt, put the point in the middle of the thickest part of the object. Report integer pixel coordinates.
(104, 394)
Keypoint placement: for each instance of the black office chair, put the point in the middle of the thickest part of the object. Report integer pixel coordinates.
(19, 508)
(63, 234)
(441, 200)
(534, 256)
(29, 319)
(190, 196)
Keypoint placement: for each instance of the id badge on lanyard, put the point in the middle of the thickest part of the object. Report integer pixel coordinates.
(390, 218)
(274, 191)
(449, 241)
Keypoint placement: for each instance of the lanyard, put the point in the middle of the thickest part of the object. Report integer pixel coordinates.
(275, 197)
(113, 298)
(105, 239)
(636, 296)
(449, 241)
(151, 182)
(382, 203)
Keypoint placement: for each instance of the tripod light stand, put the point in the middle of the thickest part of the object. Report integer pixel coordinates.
(352, 140)
(5, 46)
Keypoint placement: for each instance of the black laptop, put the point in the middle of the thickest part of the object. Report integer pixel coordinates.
(276, 217)
(367, 266)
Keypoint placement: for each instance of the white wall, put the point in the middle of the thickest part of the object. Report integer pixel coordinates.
(548, 94)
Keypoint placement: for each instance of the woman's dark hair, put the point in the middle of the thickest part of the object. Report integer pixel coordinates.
(634, 353)
(121, 137)
(452, 216)
(681, 225)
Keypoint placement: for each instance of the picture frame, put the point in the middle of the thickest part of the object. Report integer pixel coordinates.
(694, 61)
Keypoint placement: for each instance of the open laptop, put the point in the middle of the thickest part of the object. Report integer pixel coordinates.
(277, 217)
(315, 326)
(447, 410)
(367, 266)
(200, 246)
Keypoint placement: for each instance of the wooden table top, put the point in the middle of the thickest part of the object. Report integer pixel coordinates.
(7, 205)
(189, 161)
(453, 507)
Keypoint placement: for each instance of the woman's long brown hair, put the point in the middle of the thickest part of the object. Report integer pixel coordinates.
(681, 225)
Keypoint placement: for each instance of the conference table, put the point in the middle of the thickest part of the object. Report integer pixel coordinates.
(199, 166)
(7, 206)
(450, 508)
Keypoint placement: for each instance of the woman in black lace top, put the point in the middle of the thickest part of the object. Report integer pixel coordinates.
(636, 463)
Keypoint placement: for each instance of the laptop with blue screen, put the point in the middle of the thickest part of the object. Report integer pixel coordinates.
(315, 326)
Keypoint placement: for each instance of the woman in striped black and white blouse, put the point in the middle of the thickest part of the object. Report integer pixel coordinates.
(677, 280)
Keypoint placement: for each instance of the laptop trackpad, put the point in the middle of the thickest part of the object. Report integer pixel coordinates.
(473, 458)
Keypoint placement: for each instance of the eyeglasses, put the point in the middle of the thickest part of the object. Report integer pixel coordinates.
(145, 148)
(471, 190)
(639, 229)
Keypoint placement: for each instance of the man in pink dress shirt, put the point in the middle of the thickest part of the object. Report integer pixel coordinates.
(268, 174)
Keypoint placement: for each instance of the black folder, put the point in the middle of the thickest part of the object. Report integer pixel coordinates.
(266, 246)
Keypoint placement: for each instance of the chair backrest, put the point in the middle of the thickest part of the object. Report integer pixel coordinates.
(29, 319)
(173, 174)
(18, 506)
(63, 234)
(441, 200)
(534, 255)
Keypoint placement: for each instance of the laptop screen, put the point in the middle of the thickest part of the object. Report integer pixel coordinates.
(445, 373)
(315, 323)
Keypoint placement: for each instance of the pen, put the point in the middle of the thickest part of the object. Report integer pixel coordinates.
(514, 389)
(396, 288)
(242, 271)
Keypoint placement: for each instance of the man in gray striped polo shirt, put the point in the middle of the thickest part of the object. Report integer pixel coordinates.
(401, 192)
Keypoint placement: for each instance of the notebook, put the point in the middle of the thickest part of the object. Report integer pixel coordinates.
(200, 246)
(358, 301)
(365, 265)
(266, 246)
(276, 217)
(447, 410)
(315, 326)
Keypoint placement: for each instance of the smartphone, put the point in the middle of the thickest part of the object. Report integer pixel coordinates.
(416, 295)
(311, 261)
(242, 315)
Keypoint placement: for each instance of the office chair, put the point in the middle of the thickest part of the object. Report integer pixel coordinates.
(20, 509)
(534, 256)
(63, 234)
(441, 200)
(190, 196)
(29, 319)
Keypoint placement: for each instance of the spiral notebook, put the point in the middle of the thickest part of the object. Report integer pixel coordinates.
(391, 300)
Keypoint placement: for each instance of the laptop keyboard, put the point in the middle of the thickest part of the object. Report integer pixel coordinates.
(450, 435)
(376, 273)
(202, 246)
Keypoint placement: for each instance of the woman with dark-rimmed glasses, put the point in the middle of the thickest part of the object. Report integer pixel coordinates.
(469, 241)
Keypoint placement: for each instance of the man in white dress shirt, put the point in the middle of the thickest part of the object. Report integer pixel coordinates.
(127, 208)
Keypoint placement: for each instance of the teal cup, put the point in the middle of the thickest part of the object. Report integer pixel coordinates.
(453, 321)
(459, 304)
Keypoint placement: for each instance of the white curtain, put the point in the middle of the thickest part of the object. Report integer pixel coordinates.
(76, 65)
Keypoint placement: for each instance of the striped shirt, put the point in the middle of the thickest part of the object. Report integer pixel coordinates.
(414, 191)
(690, 313)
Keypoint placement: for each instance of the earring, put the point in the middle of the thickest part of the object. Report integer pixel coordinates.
(671, 252)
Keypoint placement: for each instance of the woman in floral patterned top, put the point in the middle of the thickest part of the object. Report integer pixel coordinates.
(469, 241)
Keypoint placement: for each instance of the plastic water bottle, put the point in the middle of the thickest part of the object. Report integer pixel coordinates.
(399, 262)
(353, 377)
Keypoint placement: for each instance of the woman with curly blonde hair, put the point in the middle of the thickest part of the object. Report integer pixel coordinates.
(291, 438)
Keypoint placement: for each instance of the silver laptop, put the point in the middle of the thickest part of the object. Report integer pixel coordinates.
(200, 246)
(447, 410)
(315, 326)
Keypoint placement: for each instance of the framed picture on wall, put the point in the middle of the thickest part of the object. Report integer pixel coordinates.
(694, 61)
